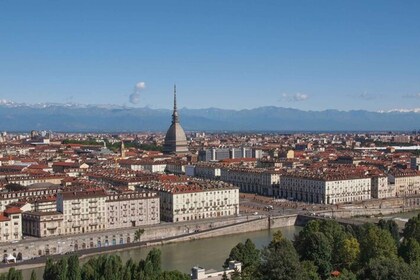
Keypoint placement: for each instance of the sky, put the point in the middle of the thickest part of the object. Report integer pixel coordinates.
(310, 55)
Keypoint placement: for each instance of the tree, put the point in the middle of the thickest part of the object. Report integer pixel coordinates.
(349, 252)
(386, 269)
(280, 261)
(248, 254)
(410, 251)
(73, 270)
(235, 275)
(14, 274)
(310, 270)
(49, 270)
(392, 227)
(174, 275)
(137, 234)
(224, 276)
(318, 250)
(376, 243)
(33, 275)
(412, 228)
(61, 268)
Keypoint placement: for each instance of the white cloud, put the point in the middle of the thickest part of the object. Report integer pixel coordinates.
(135, 95)
(295, 97)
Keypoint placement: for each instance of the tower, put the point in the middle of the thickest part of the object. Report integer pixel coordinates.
(175, 139)
(122, 151)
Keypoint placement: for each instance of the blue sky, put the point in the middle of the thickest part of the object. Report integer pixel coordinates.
(311, 55)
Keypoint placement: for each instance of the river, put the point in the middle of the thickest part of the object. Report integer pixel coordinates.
(208, 253)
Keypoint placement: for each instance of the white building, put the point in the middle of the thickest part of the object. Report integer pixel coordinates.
(406, 182)
(132, 209)
(193, 200)
(84, 211)
(11, 224)
(324, 188)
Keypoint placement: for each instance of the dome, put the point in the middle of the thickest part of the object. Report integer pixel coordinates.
(175, 140)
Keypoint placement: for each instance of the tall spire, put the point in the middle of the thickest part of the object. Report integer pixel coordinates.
(175, 113)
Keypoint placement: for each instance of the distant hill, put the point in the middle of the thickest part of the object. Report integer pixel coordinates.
(68, 117)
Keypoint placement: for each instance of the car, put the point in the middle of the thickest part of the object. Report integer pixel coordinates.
(255, 213)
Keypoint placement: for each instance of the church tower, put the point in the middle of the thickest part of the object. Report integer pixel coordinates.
(175, 140)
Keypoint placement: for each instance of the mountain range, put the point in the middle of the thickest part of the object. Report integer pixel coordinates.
(114, 118)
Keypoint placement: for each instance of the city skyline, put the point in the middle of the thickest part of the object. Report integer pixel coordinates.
(308, 56)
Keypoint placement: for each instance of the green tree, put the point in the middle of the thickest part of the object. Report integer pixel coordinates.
(280, 261)
(174, 275)
(392, 227)
(376, 243)
(137, 234)
(412, 228)
(50, 270)
(349, 252)
(14, 274)
(73, 271)
(33, 275)
(318, 250)
(310, 270)
(224, 276)
(88, 271)
(248, 254)
(410, 251)
(61, 268)
(387, 269)
(235, 275)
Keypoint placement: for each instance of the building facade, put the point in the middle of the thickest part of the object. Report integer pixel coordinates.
(132, 209)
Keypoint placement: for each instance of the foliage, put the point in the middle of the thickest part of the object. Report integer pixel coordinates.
(137, 234)
(248, 255)
(392, 227)
(310, 270)
(387, 269)
(109, 267)
(33, 275)
(376, 243)
(410, 251)
(12, 274)
(280, 261)
(412, 228)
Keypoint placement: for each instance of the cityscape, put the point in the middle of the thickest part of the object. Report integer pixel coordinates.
(203, 170)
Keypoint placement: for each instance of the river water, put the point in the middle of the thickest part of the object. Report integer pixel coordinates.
(208, 253)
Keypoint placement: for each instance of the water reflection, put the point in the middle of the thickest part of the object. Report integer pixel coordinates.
(209, 253)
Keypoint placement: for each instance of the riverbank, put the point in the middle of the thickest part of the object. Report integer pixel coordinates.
(186, 232)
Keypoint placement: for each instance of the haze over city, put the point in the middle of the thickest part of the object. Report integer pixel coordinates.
(307, 55)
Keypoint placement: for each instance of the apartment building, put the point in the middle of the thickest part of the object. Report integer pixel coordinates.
(132, 209)
(11, 224)
(10, 197)
(325, 188)
(83, 210)
(197, 199)
(42, 224)
(405, 181)
(381, 188)
(253, 180)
